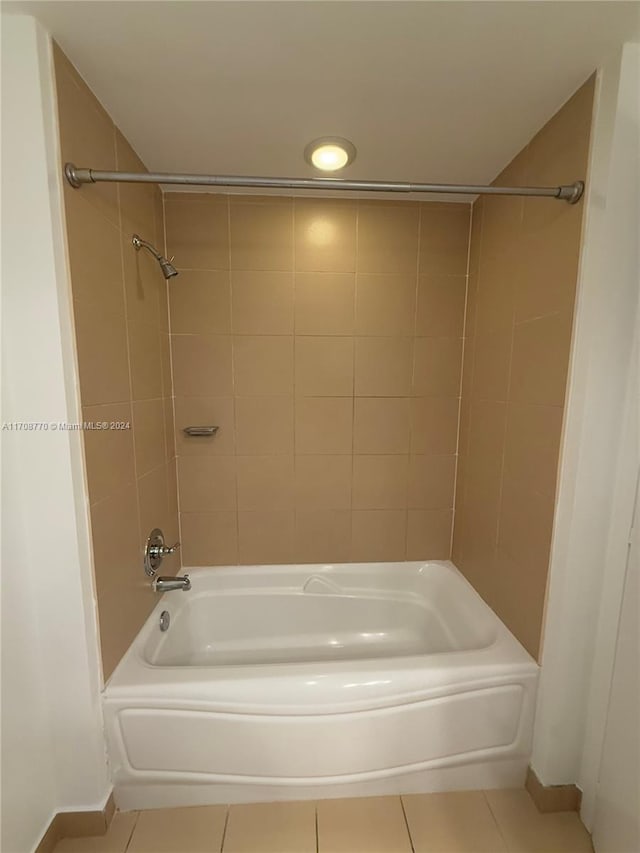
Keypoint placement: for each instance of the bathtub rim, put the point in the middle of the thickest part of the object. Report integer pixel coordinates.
(373, 682)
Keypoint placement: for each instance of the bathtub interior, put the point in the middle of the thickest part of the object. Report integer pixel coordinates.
(249, 616)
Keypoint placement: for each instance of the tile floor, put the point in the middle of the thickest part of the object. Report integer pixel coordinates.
(465, 822)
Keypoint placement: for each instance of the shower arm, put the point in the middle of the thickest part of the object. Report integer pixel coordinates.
(139, 243)
(77, 176)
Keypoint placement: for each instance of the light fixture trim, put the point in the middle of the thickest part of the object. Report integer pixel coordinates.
(336, 142)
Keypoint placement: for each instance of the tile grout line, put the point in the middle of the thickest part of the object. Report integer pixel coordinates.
(294, 395)
(234, 396)
(224, 829)
(497, 823)
(464, 347)
(353, 383)
(133, 829)
(507, 404)
(406, 821)
(317, 833)
(412, 386)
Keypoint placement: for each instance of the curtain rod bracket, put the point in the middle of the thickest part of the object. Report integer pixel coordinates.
(570, 193)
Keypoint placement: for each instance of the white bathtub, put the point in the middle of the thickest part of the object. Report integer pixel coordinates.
(294, 682)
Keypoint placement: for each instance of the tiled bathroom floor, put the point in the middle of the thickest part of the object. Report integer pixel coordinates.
(466, 822)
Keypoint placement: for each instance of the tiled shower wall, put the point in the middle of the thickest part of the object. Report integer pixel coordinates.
(121, 323)
(522, 286)
(324, 338)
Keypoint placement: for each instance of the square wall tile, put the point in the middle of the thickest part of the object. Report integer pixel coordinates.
(380, 482)
(437, 366)
(323, 482)
(498, 277)
(266, 537)
(143, 285)
(263, 365)
(103, 362)
(532, 447)
(324, 425)
(381, 425)
(434, 425)
(209, 538)
(492, 365)
(385, 304)
(145, 355)
(116, 553)
(325, 235)
(262, 235)
(109, 453)
(148, 434)
(262, 303)
(547, 284)
(378, 535)
(429, 534)
(94, 256)
(264, 425)
(197, 230)
(207, 483)
(202, 365)
(200, 303)
(322, 536)
(324, 366)
(540, 360)
(265, 482)
(444, 238)
(384, 367)
(441, 303)
(324, 303)
(431, 482)
(205, 411)
(387, 238)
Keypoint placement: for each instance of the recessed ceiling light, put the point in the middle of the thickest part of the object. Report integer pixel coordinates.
(330, 153)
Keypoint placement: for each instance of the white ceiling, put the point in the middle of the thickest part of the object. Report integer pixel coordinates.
(427, 91)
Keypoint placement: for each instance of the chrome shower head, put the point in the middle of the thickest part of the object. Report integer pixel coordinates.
(168, 269)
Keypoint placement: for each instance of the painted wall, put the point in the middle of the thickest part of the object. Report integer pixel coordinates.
(523, 270)
(324, 338)
(121, 322)
(52, 746)
(600, 454)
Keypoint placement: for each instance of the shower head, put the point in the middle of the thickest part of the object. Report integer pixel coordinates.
(168, 269)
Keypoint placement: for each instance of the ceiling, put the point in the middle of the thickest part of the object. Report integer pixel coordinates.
(427, 91)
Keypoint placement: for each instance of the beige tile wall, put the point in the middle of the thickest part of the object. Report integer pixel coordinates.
(523, 269)
(324, 337)
(121, 319)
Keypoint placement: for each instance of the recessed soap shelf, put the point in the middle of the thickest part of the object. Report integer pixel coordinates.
(201, 430)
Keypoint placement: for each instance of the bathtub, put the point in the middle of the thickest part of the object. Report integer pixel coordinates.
(295, 682)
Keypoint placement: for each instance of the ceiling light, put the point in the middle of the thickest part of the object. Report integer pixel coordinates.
(330, 153)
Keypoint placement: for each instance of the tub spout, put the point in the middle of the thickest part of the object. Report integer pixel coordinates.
(167, 584)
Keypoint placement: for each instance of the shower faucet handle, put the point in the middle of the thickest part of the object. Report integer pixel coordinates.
(155, 551)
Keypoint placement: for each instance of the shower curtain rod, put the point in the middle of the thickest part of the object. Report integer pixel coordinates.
(77, 176)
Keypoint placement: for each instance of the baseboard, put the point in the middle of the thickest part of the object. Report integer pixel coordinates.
(552, 798)
(77, 825)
